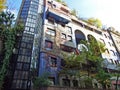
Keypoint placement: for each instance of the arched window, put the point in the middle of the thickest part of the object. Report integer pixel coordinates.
(79, 36)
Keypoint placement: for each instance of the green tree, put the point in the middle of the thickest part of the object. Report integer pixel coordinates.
(103, 78)
(62, 2)
(88, 61)
(94, 21)
(41, 81)
(90, 58)
(74, 12)
(117, 76)
(8, 34)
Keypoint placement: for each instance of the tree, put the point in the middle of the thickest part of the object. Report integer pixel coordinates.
(2, 5)
(62, 2)
(94, 21)
(86, 62)
(91, 57)
(8, 33)
(41, 81)
(117, 76)
(103, 78)
(74, 12)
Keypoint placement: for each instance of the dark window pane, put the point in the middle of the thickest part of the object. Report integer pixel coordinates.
(66, 82)
(53, 62)
(75, 83)
(48, 44)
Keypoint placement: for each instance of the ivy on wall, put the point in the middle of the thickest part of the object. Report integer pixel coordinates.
(8, 34)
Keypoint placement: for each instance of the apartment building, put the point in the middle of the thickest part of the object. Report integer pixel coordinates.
(49, 29)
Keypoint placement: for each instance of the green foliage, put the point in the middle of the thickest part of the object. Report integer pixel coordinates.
(41, 81)
(9, 44)
(6, 19)
(8, 33)
(94, 21)
(117, 75)
(89, 58)
(62, 2)
(74, 12)
(103, 78)
(88, 82)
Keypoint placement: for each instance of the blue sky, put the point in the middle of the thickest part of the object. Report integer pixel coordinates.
(108, 11)
(105, 10)
(14, 5)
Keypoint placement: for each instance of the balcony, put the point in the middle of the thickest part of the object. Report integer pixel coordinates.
(58, 16)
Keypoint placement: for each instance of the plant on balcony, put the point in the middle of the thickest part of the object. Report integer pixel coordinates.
(62, 2)
(94, 21)
(74, 12)
(8, 35)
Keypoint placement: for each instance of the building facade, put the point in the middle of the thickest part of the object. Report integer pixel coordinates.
(49, 29)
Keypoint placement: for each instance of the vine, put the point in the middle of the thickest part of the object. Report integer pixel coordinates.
(9, 45)
(8, 34)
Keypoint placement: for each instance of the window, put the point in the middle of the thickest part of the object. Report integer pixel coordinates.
(98, 32)
(63, 36)
(64, 10)
(117, 54)
(105, 35)
(23, 58)
(49, 2)
(54, 6)
(75, 83)
(69, 38)
(111, 61)
(53, 62)
(109, 37)
(102, 41)
(66, 82)
(50, 32)
(50, 20)
(69, 30)
(48, 44)
(19, 84)
(62, 62)
(112, 52)
(24, 51)
(109, 43)
(66, 48)
(116, 62)
(19, 66)
(52, 80)
(25, 66)
(107, 51)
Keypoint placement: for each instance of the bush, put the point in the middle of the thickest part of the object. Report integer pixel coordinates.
(88, 82)
(41, 81)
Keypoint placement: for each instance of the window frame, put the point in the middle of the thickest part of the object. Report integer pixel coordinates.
(47, 44)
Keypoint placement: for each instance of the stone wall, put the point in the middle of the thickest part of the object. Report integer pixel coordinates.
(65, 88)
